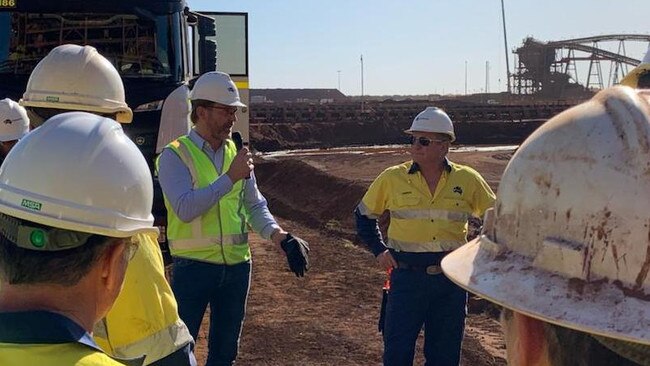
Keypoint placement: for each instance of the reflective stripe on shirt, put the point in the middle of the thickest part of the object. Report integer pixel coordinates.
(232, 239)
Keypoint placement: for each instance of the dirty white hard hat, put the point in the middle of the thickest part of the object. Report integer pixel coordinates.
(433, 119)
(568, 241)
(77, 78)
(216, 87)
(632, 77)
(79, 172)
(14, 123)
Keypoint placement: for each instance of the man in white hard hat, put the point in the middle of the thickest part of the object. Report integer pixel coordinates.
(212, 197)
(429, 200)
(566, 251)
(14, 124)
(144, 319)
(639, 77)
(66, 223)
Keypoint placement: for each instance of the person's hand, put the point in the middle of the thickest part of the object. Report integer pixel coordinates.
(386, 260)
(296, 250)
(242, 166)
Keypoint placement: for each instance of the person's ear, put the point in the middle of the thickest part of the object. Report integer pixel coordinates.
(201, 112)
(114, 264)
(531, 342)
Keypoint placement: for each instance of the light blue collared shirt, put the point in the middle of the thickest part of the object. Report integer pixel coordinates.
(189, 203)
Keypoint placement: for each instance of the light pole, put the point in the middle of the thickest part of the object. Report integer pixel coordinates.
(505, 41)
(361, 83)
(339, 72)
(465, 77)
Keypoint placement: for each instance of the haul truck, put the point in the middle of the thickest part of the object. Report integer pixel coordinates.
(156, 45)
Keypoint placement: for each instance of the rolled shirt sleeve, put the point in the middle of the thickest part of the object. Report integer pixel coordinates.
(372, 205)
(483, 197)
(189, 203)
(259, 216)
(176, 183)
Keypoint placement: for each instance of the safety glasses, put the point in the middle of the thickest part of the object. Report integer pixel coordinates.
(231, 111)
(425, 141)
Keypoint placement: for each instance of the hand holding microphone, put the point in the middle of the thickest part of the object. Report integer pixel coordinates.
(242, 165)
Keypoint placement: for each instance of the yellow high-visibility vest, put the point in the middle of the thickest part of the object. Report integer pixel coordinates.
(144, 318)
(220, 235)
(53, 355)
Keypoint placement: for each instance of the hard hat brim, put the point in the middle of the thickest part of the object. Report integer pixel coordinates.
(123, 114)
(13, 136)
(411, 131)
(127, 227)
(238, 104)
(512, 281)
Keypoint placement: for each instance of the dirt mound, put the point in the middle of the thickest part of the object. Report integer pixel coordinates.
(281, 136)
(342, 288)
(305, 194)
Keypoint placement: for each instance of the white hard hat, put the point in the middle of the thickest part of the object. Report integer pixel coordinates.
(79, 172)
(216, 87)
(632, 77)
(570, 239)
(14, 123)
(433, 119)
(77, 78)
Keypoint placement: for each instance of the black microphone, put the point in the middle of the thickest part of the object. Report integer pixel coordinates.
(239, 142)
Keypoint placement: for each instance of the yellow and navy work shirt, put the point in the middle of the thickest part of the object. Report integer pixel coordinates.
(48, 339)
(422, 222)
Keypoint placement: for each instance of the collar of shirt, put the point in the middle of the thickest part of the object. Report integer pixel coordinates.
(415, 167)
(200, 141)
(44, 327)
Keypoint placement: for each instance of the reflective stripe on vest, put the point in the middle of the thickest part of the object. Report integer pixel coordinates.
(158, 345)
(234, 239)
(433, 246)
(429, 214)
(220, 234)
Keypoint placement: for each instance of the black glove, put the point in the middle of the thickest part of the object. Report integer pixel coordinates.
(296, 250)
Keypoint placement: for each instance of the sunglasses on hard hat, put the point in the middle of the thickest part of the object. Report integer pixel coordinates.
(425, 141)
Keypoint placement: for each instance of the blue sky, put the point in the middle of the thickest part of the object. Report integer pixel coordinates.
(414, 46)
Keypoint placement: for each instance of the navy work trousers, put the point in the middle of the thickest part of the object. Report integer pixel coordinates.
(197, 284)
(418, 299)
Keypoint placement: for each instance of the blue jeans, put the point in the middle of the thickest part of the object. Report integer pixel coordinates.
(197, 284)
(417, 299)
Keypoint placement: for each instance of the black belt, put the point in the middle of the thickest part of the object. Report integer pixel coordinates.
(432, 269)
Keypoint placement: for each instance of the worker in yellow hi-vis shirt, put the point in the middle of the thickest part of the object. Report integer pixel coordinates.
(66, 237)
(144, 319)
(430, 200)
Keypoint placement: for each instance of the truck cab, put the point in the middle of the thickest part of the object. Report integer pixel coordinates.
(156, 46)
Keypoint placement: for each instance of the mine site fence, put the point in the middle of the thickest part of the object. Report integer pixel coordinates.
(309, 113)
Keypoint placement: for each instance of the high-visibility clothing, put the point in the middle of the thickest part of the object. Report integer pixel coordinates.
(220, 235)
(425, 222)
(49, 339)
(144, 319)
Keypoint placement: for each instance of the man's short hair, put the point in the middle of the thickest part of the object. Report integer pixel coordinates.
(19, 266)
(644, 80)
(196, 103)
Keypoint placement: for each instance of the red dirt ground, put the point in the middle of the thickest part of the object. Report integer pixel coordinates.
(329, 317)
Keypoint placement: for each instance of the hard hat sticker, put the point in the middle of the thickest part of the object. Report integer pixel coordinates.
(50, 98)
(32, 205)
